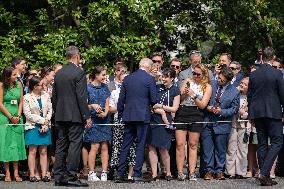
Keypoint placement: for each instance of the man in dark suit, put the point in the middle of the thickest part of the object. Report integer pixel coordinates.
(224, 103)
(71, 113)
(137, 93)
(265, 97)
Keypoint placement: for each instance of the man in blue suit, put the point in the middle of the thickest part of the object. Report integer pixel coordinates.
(137, 93)
(265, 97)
(224, 103)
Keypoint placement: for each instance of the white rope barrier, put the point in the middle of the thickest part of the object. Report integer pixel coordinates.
(156, 124)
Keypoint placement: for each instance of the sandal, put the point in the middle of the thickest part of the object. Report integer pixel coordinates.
(8, 178)
(33, 179)
(38, 178)
(45, 179)
(18, 178)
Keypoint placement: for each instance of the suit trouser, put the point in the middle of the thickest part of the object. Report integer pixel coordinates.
(68, 150)
(236, 158)
(272, 128)
(131, 131)
(214, 150)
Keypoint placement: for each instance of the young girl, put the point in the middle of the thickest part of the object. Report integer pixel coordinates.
(98, 135)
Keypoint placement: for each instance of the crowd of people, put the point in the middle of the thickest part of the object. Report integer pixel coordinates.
(57, 119)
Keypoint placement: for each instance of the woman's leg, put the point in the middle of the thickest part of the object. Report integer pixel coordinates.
(85, 161)
(193, 139)
(180, 140)
(32, 160)
(16, 171)
(43, 160)
(153, 160)
(104, 152)
(166, 160)
(7, 171)
(92, 156)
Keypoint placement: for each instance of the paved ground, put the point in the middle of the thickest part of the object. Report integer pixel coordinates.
(199, 184)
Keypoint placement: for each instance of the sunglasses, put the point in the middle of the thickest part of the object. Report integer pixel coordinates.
(174, 66)
(196, 74)
(232, 68)
(156, 61)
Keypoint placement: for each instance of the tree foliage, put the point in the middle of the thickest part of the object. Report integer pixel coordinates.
(131, 29)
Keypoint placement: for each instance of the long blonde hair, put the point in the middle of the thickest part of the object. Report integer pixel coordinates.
(205, 76)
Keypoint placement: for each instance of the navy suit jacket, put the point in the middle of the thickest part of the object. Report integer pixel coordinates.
(229, 104)
(265, 93)
(138, 92)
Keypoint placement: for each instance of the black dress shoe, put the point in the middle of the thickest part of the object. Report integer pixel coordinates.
(76, 183)
(240, 177)
(119, 179)
(265, 181)
(60, 183)
(140, 179)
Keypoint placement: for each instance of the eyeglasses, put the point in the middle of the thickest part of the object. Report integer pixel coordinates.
(232, 68)
(196, 74)
(175, 66)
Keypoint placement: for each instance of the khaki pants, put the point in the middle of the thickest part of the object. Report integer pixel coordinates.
(236, 157)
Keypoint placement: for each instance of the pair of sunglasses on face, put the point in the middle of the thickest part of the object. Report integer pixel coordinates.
(196, 74)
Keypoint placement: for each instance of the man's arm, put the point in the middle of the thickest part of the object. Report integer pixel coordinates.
(233, 108)
(121, 101)
(81, 95)
(153, 92)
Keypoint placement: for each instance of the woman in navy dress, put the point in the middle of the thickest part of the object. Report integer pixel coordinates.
(159, 136)
(98, 135)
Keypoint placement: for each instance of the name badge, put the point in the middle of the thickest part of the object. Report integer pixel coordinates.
(14, 102)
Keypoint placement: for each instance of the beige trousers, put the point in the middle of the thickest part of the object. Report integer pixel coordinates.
(236, 157)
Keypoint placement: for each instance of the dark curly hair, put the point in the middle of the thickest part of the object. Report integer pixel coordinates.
(6, 77)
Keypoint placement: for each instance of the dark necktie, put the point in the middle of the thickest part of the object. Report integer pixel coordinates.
(218, 95)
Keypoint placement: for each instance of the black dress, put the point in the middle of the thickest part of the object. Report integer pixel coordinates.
(158, 135)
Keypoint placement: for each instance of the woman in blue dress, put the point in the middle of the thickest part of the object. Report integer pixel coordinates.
(98, 135)
(159, 136)
(38, 112)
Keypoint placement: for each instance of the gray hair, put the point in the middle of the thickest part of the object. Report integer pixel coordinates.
(268, 54)
(145, 63)
(236, 63)
(71, 51)
(194, 53)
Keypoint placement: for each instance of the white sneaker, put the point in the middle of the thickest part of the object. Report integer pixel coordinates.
(92, 177)
(192, 177)
(104, 176)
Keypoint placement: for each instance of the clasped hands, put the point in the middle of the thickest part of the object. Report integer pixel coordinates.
(99, 110)
(214, 110)
(44, 128)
